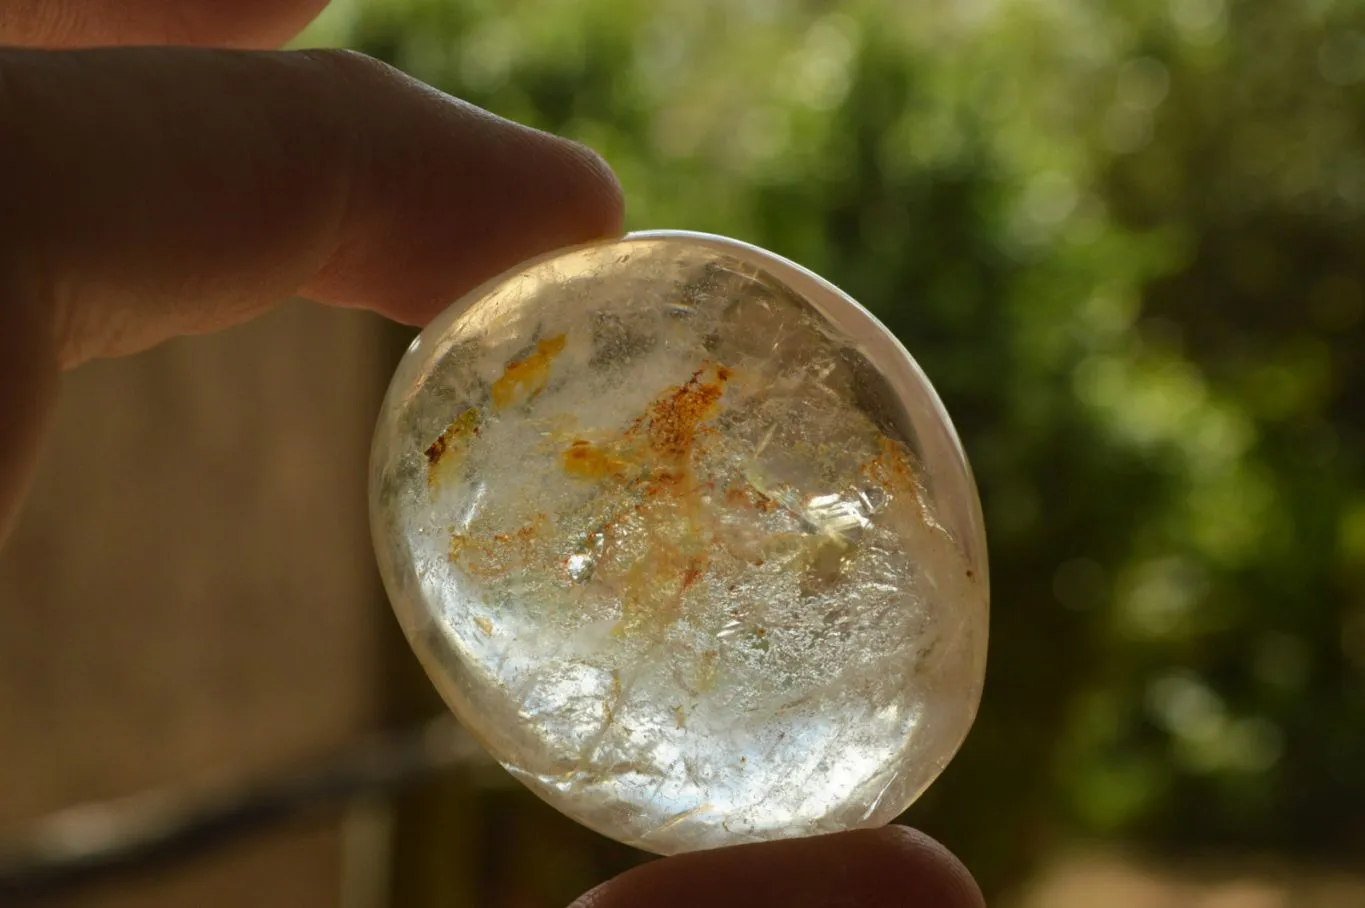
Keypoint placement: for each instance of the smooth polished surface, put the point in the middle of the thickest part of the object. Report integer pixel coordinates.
(687, 541)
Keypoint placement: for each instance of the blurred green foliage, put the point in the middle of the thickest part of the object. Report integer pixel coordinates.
(1125, 240)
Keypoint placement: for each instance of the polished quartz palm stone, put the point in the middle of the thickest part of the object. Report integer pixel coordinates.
(686, 541)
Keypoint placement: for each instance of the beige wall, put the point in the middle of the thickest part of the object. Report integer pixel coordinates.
(190, 593)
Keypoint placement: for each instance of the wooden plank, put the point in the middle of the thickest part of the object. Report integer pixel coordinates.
(190, 594)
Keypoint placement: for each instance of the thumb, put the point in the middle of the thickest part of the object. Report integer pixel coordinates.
(892, 867)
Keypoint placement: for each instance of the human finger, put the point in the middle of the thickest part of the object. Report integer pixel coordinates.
(64, 24)
(154, 192)
(893, 867)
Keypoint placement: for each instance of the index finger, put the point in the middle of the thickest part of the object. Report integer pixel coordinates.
(146, 193)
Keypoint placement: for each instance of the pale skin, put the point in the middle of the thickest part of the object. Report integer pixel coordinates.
(192, 179)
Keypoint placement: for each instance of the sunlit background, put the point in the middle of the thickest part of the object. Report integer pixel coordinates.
(1125, 241)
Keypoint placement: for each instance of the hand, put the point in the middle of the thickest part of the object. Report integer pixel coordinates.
(151, 192)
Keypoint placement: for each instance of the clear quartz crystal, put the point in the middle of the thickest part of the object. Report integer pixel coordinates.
(687, 541)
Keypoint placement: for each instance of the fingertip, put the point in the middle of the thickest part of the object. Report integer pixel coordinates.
(459, 179)
(946, 879)
(893, 867)
(604, 205)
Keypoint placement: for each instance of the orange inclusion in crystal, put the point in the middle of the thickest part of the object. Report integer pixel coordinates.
(524, 378)
(662, 440)
(892, 471)
(445, 452)
(586, 460)
(675, 419)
